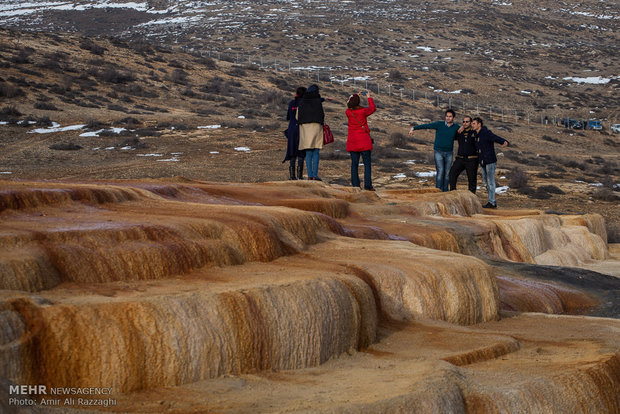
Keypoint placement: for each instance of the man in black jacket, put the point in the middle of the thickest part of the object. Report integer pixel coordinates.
(466, 157)
(485, 140)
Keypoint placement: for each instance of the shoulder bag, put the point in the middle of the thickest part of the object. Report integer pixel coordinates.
(328, 137)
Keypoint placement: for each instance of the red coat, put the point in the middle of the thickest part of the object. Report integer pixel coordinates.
(358, 138)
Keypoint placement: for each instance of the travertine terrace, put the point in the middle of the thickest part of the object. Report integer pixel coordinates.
(190, 296)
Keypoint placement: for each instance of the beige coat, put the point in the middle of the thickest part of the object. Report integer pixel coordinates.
(310, 136)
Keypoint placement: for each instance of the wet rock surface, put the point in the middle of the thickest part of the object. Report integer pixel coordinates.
(186, 296)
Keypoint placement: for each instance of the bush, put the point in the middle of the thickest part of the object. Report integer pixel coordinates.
(206, 62)
(175, 64)
(111, 75)
(44, 121)
(114, 107)
(613, 232)
(23, 55)
(179, 76)
(95, 49)
(69, 146)
(130, 122)
(575, 164)
(10, 111)
(9, 91)
(395, 74)
(518, 178)
(45, 106)
(550, 189)
(605, 194)
(399, 139)
(273, 98)
(238, 72)
(539, 194)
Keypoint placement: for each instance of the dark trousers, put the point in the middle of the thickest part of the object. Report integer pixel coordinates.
(468, 164)
(355, 161)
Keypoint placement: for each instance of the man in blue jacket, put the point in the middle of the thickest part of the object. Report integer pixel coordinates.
(485, 142)
(445, 131)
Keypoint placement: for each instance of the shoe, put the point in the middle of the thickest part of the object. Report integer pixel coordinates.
(291, 170)
(369, 188)
(317, 179)
(489, 205)
(300, 170)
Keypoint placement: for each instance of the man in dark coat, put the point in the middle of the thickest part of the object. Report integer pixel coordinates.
(466, 156)
(485, 143)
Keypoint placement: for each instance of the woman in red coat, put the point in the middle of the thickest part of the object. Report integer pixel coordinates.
(358, 138)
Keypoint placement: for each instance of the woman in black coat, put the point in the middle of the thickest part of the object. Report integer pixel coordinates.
(292, 134)
(311, 117)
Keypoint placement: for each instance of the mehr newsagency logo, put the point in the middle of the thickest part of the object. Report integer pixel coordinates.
(41, 395)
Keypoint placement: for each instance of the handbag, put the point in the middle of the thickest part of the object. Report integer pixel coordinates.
(365, 128)
(328, 137)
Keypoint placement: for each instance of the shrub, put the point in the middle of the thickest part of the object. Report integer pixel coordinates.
(518, 178)
(111, 75)
(45, 106)
(69, 146)
(551, 189)
(575, 164)
(23, 55)
(95, 49)
(114, 107)
(605, 194)
(398, 139)
(551, 139)
(539, 194)
(179, 76)
(130, 122)
(395, 74)
(273, 98)
(133, 142)
(9, 91)
(238, 72)
(613, 232)
(10, 111)
(549, 175)
(189, 92)
(44, 121)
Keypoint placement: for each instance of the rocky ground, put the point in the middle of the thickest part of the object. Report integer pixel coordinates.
(153, 112)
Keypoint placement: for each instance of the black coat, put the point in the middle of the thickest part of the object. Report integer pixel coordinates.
(485, 141)
(311, 107)
(292, 132)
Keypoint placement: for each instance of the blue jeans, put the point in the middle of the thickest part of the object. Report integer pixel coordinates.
(443, 161)
(312, 162)
(488, 177)
(355, 161)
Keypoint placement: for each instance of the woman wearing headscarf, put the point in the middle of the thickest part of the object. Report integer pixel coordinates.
(293, 153)
(359, 142)
(311, 117)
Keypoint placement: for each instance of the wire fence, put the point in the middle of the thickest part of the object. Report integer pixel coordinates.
(338, 77)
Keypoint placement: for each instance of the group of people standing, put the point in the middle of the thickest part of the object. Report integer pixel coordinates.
(305, 134)
(476, 147)
(305, 140)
